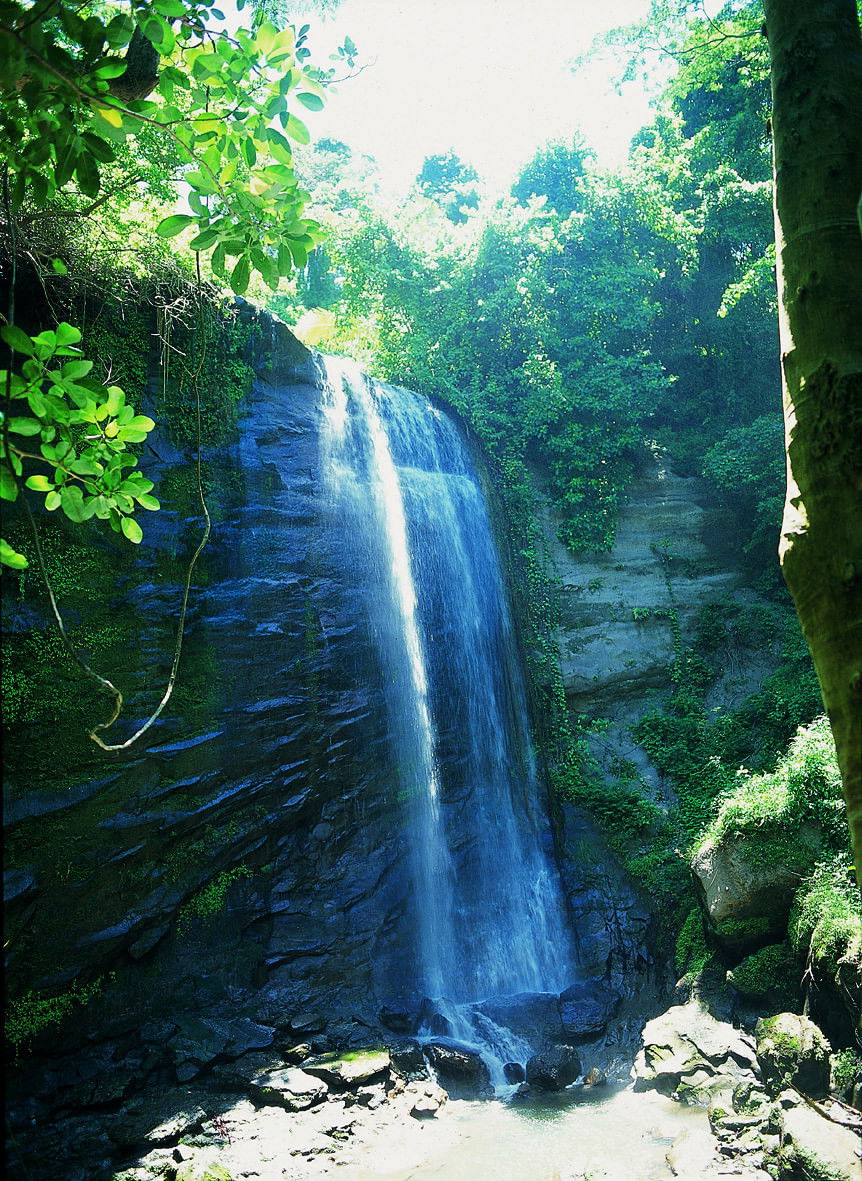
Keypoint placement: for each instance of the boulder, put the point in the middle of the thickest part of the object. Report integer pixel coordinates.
(349, 1070)
(689, 1054)
(289, 1088)
(792, 1051)
(746, 892)
(585, 1009)
(812, 1146)
(407, 1058)
(553, 1069)
(459, 1063)
(514, 1072)
(424, 1099)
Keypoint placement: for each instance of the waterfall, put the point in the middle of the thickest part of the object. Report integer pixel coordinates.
(486, 905)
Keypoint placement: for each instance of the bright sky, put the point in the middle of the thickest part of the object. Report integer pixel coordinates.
(487, 78)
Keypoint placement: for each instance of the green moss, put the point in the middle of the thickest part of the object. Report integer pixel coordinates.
(204, 357)
(751, 928)
(118, 335)
(210, 899)
(692, 951)
(769, 971)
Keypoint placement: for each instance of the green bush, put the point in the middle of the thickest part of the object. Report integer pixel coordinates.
(826, 920)
(805, 786)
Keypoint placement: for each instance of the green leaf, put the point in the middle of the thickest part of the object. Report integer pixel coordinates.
(52, 501)
(101, 149)
(297, 130)
(59, 267)
(8, 486)
(173, 225)
(132, 530)
(300, 254)
(72, 501)
(204, 240)
(115, 400)
(312, 101)
(207, 65)
(75, 369)
(25, 426)
(147, 501)
(40, 484)
(285, 259)
(158, 31)
(240, 277)
(38, 404)
(10, 557)
(66, 334)
(141, 423)
(87, 175)
(85, 467)
(17, 339)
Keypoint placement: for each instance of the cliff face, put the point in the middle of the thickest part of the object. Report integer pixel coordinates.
(247, 839)
(254, 858)
(622, 613)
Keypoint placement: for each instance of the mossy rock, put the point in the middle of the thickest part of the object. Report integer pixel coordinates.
(792, 1051)
(767, 976)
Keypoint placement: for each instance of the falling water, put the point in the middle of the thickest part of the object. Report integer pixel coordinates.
(486, 902)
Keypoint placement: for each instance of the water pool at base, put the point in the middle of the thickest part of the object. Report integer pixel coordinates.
(602, 1135)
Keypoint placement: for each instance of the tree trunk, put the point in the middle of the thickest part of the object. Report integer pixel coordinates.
(816, 54)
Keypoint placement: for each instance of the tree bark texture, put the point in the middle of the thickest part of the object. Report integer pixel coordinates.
(816, 53)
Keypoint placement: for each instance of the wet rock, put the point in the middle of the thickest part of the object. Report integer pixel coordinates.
(595, 1077)
(692, 1154)
(533, 1016)
(408, 1059)
(585, 1009)
(350, 1070)
(238, 1074)
(814, 1147)
(296, 1055)
(553, 1069)
(304, 1023)
(403, 1019)
(688, 1053)
(792, 1051)
(289, 1088)
(514, 1072)
(432, 1021)
(457, 1063)
(203, 1166)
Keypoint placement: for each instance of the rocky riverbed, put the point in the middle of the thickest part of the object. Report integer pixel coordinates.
(705, 1101)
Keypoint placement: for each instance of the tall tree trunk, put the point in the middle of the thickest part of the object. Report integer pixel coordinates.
(816, 54)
